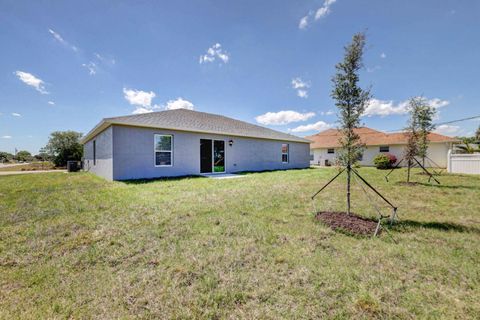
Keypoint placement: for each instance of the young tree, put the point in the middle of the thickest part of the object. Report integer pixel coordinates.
(23, 156)
(425, 115)
(351, 100)
(477, 134)
(64, 146)
(415, 109)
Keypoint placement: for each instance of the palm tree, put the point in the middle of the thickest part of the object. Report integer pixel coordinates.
(467, 148)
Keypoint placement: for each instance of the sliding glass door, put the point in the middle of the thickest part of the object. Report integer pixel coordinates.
(212, 156)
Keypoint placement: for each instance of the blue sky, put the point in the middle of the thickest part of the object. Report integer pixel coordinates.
(65, 65)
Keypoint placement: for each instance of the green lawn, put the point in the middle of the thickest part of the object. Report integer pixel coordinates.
(76, 246)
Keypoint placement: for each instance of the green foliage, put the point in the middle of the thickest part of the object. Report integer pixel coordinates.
(425, 115)
(23, 156)
(42, 155)
(467, 148)
(5, 156)
(64, 146)
(477, 134)
(350, 99)
(467, 139)
(384, 161)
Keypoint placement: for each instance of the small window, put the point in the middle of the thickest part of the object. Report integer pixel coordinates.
(285, 152)
(384, 148)
(94, 152)
(312, 157)
(331, 150)
(163, 150)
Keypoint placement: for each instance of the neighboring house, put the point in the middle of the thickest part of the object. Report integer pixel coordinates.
(325, 146)
(185, 142)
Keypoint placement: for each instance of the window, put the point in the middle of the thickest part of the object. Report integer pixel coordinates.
(331, 150)
(94, 152)
(384, 148)
(285, 152)
(312, 157)
(163, 150)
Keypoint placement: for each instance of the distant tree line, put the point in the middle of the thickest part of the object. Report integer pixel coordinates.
(62, 146)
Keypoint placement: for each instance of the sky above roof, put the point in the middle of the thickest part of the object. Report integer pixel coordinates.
(65, 65)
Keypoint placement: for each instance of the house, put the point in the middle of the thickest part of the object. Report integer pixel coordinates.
(325, 146)
(185, 142)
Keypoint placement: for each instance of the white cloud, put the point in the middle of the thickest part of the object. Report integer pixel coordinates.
(104, 59)
(324, 10)
(6, 137)
(283, 117)
(51, 103)
(91, 67)
(179, 103)
(301, 87)
(447, 129)
(213, 53)
(321, 12)
(327, 113)
(139, 97)
(383, 55)
(140, 110)
(438, 103)
(31, 80)
(384, 108)
(16, 114)
(60, 39)
(142, 100)
(317, 126)
(303, 22)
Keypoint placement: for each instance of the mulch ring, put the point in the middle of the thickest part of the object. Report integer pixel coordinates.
(351, 224)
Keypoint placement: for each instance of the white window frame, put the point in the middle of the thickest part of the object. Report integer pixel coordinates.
(286, 153)
(328, 149)
(155, 150)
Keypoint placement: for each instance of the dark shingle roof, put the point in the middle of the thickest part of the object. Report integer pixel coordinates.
(194, 121)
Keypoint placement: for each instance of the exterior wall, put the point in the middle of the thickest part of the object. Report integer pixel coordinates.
(436, 151)
(133, 153)
(104, 154)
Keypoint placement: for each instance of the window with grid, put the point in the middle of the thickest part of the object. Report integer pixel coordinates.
(285, 153)
(163, 150)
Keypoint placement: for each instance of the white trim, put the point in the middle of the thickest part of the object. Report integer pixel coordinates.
(155, 150)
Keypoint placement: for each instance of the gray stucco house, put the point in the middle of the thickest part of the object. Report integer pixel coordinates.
(185, 142)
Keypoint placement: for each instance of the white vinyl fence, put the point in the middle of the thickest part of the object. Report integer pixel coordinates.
(463, 163)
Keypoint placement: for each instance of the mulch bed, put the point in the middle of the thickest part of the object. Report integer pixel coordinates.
(351, 224)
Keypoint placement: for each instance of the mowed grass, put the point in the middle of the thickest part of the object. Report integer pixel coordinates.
(76, 246)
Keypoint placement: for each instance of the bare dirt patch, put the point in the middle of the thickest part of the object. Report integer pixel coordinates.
(351, 224)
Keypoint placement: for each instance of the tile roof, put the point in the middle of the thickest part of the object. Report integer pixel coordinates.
(194, 121)
(370, 137)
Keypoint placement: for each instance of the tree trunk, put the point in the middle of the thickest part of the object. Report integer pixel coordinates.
(348, 188)
(408, 170)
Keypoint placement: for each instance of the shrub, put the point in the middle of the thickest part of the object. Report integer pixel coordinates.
(384, 160)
